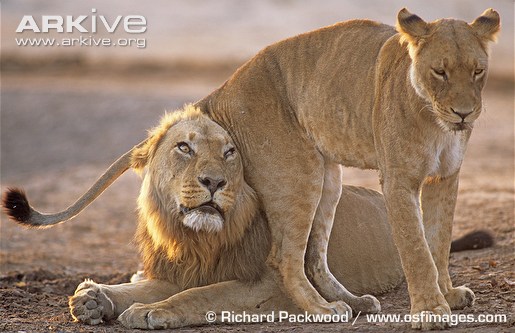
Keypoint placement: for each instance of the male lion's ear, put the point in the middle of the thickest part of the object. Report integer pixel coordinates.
(139, 157)
(411, 27)
(142, 153)
(487, 25)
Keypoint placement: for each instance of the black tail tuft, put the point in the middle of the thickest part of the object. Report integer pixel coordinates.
(473, 241)
(16, 205)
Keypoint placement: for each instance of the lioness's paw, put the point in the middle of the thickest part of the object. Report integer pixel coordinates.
(90, 304)
(366, 304)
(435, 319)
(339, 308)
(460, 297)
(148, 316)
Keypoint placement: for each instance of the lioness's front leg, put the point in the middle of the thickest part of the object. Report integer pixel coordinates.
(402, 194)
(93, 303)
(438, 204)
(316, 253)
(191, 307)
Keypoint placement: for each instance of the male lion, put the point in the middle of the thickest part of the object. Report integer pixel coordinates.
(304, 105)
(204, 239)
(205, 242)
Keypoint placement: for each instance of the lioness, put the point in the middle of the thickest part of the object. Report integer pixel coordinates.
(304, 105)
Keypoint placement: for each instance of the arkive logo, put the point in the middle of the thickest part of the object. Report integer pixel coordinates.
(132, 24)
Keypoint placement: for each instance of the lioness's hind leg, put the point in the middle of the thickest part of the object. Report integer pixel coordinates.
(290, 186)
(316, 253)
(94, 303)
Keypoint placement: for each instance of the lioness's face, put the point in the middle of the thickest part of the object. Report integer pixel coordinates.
(449, 64)
(449, 70)
(198, 173)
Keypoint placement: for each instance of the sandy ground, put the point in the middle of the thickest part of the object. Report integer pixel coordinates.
(67, 114)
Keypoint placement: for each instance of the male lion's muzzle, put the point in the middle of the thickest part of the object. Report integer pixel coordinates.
(208, 217)
(206, 208)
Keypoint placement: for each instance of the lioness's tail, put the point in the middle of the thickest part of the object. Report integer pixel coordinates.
(17, 207)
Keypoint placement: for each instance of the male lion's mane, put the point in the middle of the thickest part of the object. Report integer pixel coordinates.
(171, 251)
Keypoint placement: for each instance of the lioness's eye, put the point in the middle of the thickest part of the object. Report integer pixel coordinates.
(440, 72)
(230, 152)
(183, 147)
(478, 71)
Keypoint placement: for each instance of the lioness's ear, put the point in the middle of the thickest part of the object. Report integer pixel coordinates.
(487, 25)
(411, 27)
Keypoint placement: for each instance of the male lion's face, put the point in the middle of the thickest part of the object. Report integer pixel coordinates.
(197, 173)
(449, 64)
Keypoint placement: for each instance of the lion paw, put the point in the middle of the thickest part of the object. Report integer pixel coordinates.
(339, 308)
(366, 304)
(460, 297)
(90, 304)
(435, 319)
(147, 316)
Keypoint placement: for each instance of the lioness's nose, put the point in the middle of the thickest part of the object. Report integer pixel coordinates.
(462, 113)
(212, 184)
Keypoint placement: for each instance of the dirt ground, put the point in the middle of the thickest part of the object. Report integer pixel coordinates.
(58, 133)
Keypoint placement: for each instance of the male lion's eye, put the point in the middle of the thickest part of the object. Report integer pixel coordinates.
(230, 152)
(183, 147)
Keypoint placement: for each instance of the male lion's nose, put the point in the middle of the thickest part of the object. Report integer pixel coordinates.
(212, 184)
(462, 113)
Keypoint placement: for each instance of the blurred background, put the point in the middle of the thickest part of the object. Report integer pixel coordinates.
(226, 31)
(68, 112)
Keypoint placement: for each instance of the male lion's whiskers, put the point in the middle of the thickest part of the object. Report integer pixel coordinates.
(227, 196)
(190, 185)
(191, 192)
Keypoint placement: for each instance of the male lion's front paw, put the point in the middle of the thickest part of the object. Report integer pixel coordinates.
(460, 297)
(148, 316)
(435, 319)
(90, 304)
